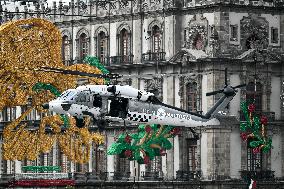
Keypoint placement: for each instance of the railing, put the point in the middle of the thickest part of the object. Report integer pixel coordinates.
(152, 175)
(153, 56)
(24, 176)
(119, 60)
(258, 175)
(123, 176)
(270, 115)
(188, 175)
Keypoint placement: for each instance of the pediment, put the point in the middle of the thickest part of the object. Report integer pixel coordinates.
(188, 55)
(268, 56)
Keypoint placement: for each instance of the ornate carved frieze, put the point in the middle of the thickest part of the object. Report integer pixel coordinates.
(155, 85)
(196, 33)
(254, 32)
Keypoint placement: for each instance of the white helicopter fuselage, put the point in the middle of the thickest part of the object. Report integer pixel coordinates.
(115, 102)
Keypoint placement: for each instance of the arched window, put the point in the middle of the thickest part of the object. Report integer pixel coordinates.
(254, 95)
(102, 46)
(83, 46)
(191, 97)
(156, 40)
(124, 45)
(198, 42)
(66, 50)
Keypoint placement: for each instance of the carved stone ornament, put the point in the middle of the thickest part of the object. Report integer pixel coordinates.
(254, 32)
(155, 85)
(196, 33)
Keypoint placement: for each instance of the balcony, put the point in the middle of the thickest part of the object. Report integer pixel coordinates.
(187, 175)
(258, 174)
(153, 57)
(152, 175)
(270, 115)
(118, 60)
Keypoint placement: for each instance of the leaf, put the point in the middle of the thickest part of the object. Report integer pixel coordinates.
(254, 144)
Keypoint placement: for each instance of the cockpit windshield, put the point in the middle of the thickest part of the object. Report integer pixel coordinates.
(67, 95)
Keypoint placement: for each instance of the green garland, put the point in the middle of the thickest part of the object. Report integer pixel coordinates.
(254, 128)
(94, 61)
(150, 141)
(41, 169)
(44, 86)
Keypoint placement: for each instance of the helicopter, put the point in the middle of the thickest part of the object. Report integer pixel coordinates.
(106, 103)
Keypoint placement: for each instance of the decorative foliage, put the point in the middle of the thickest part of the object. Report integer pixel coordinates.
(22, 144)
(150, 141)
(41, 169)
(254, 128)
(27, 45)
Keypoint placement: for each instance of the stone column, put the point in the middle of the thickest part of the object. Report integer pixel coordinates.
(204, 91)
(177, 97)
(203, 154)
(282, 151)
(1, 143)
(170, 90)
(142, 170)
(165, 91)
(218, 152)
(110, 159)
(276, 158)
(235, 152)
(235, 103)
(170, 162)
(90, 168)
(176, 154)
(18, 166)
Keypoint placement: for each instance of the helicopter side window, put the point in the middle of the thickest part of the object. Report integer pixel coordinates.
(81, 97)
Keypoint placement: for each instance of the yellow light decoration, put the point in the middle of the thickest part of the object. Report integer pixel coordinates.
(25, 46)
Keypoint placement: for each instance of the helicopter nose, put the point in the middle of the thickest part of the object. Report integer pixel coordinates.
(45, 106)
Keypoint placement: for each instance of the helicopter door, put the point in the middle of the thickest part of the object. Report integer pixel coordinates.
(118, 107)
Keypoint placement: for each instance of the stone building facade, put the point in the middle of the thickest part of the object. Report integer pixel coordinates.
(179, 49)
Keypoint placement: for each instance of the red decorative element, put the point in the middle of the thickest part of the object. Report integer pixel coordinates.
(244, 136)
(256, 150)
(148, 129)
(251, 108)
(128, 153)
(175, 131)
(128, 139)
(146, 160)
(263, 120)
(44, 183)
(163, 152)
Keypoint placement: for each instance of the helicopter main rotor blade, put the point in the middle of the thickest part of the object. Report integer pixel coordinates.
(226, 72)
(214, 92)
(72, 72)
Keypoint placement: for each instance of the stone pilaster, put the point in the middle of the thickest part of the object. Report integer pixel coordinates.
(176, 150)
(218, 153)
(170, 162)
(235, 152)
(110, 159)
(18, 166)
